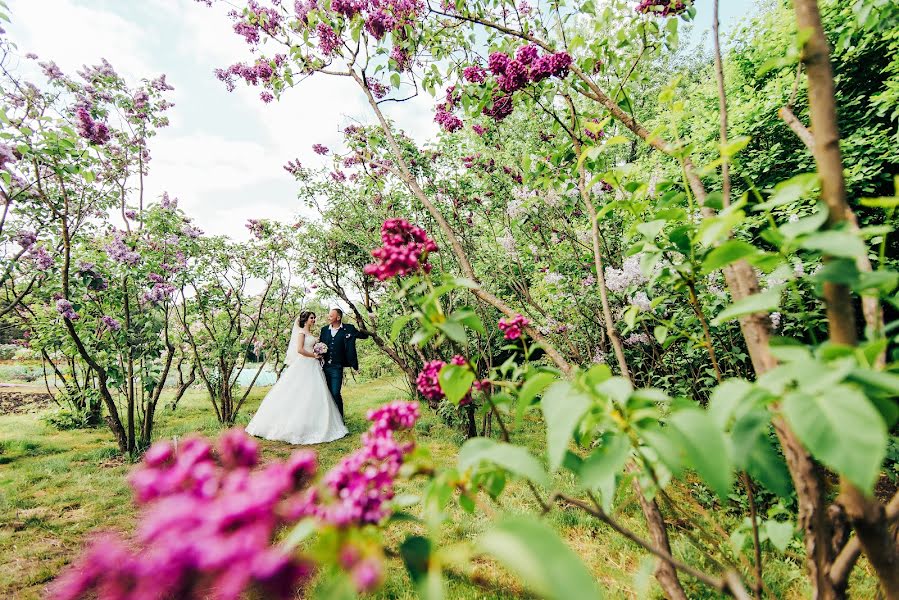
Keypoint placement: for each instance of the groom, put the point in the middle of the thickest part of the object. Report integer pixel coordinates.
(341, 341)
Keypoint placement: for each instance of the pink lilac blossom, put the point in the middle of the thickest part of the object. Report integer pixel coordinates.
(266, 97)
(361, 486)
(500, 108)
(191, 231)
(208, 526)
(428, 383)
(447, 121)
(405, 250)
(378, 89)
(65, 308)
(512, 328)
(662, 8)
(400, 57)
(478, 129)
(7, 155)
(51, 70)
(167, 202)
(526, 54)
(320, 149)
(556, 65)
(256, 227)
(328, 42)
(475, 74)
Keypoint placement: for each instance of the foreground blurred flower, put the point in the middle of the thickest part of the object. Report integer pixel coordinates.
(210, 517)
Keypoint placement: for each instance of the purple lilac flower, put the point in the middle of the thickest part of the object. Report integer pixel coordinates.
(7, 155)
(111, 323)
(65, 308)
(119, 252)
(320, 149)
(40, 257)
(93, 131)
(25, 238)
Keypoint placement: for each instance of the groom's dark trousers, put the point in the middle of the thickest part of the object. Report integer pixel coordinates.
(334, 377)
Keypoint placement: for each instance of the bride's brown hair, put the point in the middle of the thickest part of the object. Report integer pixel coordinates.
(304, 316)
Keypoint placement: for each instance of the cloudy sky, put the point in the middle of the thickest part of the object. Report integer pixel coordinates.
(223, 153)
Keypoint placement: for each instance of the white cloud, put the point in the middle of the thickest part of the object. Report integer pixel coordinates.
(75, 35)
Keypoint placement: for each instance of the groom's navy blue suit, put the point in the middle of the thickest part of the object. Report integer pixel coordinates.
(341, 354)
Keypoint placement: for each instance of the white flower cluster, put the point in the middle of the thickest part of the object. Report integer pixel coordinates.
(552, 278)
(507, 241)
(641, 300)
(618, 280)
(636, 338)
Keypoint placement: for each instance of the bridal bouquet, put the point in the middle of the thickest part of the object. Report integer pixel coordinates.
(320, 348)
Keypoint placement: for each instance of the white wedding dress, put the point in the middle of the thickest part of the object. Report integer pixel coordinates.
(299, 408)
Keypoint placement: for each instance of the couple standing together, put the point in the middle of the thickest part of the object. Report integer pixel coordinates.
(305, 406)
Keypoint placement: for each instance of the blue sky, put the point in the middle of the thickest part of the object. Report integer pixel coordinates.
(223, 154)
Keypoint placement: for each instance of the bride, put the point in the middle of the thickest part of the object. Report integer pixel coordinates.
(299, 408)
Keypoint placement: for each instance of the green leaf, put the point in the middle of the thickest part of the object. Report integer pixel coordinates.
(416, 553)
(651, 229)
(790, 191)
(835, 243)
(778, 533)
(455, 381)
(532, 550)
(606, 462)
(300, 532)
(453, 331)
(729, 252)
(563, 407)
(704, 448)
(762, 302)
(754, 453)
(725, 400)
(398, 325)
(534, 385)
(514, 459)
(661, 333)
(842, 429)
(470, 319)
(735, 145)
(807, 224)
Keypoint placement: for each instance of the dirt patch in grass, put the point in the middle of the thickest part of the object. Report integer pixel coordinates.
(16, 399)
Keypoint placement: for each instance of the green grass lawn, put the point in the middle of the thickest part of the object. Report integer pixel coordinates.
(58, 486)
